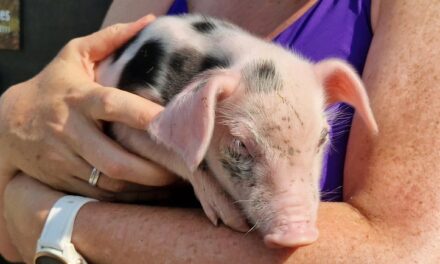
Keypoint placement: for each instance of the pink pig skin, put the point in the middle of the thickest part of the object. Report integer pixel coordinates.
(285, 196)
(216, 203)
(249, 137)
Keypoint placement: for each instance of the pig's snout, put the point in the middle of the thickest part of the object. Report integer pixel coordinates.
(293, 223)
(292, 234)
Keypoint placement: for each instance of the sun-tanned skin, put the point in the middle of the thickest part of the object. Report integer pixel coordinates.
(391, 203)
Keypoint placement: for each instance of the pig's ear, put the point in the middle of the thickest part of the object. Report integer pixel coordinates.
(186, 124)
(342, 84)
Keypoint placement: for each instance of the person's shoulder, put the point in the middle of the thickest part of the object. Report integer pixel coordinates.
(375, 9)
(123, 11)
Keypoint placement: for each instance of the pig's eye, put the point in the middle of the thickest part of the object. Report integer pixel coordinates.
(237, 151)
(237, 161)
(239, 147)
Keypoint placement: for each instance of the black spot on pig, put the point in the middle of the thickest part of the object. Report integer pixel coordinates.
(184, 65)
(266, 70)
(143, 69)
(205, 26)
(210, 62)
(177, 61)
(262, 77)
(123, 48)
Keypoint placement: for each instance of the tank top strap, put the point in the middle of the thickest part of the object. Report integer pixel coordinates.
(178, 7)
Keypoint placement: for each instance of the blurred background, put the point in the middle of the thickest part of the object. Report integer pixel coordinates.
(45, 26)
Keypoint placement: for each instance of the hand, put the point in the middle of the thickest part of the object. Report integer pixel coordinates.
(26, 211)
(50, 125)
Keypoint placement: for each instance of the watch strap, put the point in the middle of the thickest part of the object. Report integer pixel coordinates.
(57, 232)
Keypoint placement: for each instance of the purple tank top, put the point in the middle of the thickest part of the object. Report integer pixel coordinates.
(330, 29)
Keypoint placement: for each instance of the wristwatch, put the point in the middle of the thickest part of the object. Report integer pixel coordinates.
(55, 245)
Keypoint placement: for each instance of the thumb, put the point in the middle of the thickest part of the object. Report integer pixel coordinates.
(101, 44)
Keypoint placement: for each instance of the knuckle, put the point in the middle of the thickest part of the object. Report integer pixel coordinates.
(58, 128)
(55, 112)
(58, 131)
(54, 157)
(116, 28)
(71, 45)
(115, 170)
(142, 120)
(73, 97)
(108, 103)
(117, 186)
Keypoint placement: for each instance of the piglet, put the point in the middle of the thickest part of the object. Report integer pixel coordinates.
(244, 120)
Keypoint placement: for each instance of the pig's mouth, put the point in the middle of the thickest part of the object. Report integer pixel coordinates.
(287, 220)
(291, 234)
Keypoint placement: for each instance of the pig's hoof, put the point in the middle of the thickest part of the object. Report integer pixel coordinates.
(210, 213)
(238, 223)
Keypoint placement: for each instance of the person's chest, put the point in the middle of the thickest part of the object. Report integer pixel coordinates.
(261, 17)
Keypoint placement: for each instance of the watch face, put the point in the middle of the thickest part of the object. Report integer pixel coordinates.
(49, 260)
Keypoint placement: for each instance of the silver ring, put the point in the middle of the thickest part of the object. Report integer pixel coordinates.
(94, 176)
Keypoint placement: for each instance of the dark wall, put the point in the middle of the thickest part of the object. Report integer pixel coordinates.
(46, 25)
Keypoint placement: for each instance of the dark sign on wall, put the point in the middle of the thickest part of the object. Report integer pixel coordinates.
(45, 27)
(10, 24)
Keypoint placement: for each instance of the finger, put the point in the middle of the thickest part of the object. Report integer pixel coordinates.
(78, 186)
(78, 167)
(101, 44)
(119, 186)
(82, 170)
(111, 104)
(114, 161)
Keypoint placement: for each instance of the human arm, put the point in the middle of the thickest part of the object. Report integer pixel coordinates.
(43, 123)
(391, 202)
(397, 21)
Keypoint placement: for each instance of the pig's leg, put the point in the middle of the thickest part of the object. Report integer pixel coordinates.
(216, 203)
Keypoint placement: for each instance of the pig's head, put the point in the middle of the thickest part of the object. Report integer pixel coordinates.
(262, 132)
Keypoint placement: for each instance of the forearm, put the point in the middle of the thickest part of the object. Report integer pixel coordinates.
(111, 233)
(7, 249)
(115, 233)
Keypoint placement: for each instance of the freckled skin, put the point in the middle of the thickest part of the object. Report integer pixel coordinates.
(375, 224)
